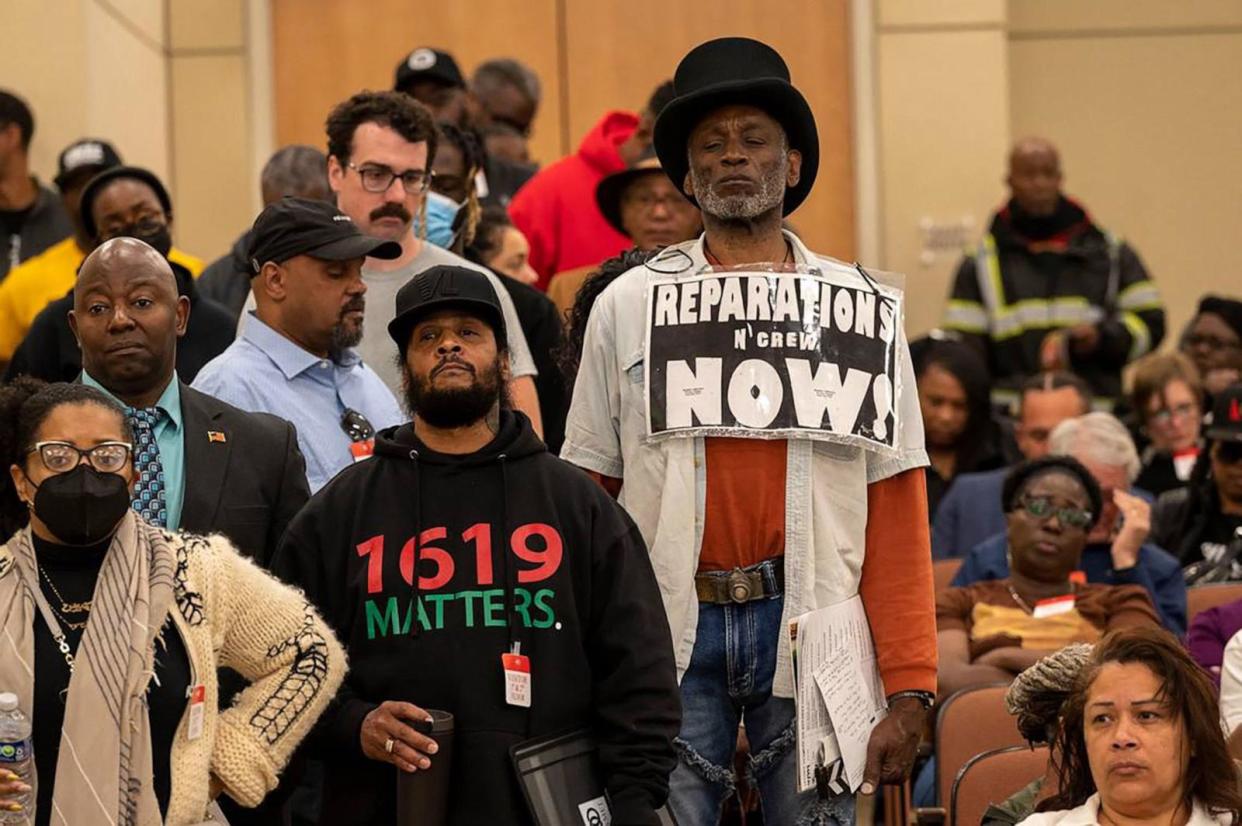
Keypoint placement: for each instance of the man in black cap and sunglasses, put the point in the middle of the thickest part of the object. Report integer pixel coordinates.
(470, 571)
(295, 356)
(748, 533)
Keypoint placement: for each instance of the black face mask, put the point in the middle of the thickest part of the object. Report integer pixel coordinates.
(82, 506)
(152, 233)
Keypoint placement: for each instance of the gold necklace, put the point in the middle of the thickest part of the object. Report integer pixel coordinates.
(1023, 604)
(66, 607)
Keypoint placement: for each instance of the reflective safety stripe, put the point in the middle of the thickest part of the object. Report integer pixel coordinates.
(1140, 335)
(967, 316)
(1041, 314)
(1139, 296)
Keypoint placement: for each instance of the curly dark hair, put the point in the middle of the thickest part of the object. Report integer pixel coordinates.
(1210, 779)
(395, 110)
(25, 403)
(1021, 475)
(569, 354)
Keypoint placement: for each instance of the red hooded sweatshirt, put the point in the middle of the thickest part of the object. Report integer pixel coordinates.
(556, 209)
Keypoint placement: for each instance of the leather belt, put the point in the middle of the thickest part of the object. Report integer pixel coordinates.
(741, 585)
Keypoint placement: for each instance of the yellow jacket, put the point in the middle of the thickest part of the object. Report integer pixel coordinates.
(39, 281)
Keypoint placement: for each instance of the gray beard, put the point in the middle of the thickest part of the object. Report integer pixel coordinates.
(771, 195)
(343, 337)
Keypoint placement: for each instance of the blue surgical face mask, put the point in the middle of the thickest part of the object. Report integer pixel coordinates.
(441, 210)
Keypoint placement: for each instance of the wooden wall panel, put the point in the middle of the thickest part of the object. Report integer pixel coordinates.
(619, 51)
(325, 50)
(591, 57)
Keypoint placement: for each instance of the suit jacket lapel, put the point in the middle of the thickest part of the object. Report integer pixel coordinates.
(207, 447)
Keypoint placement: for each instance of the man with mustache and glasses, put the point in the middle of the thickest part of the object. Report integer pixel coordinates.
(380, 149)
(295, 356)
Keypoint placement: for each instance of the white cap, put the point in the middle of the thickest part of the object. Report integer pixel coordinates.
(8, 702)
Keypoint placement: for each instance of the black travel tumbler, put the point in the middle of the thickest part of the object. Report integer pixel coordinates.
(422, 797)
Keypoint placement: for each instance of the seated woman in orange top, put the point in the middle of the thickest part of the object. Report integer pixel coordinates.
(990, 631)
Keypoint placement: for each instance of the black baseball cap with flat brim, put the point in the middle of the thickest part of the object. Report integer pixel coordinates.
(1227, 415)
(307, 226)
(446, 287)
(735, 71)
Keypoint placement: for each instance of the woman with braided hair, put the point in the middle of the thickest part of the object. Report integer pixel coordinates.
(112, 632)
(459, 159)
(1035, 698)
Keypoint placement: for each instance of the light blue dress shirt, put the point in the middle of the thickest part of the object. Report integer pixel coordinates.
(265, 372)
(170, 438)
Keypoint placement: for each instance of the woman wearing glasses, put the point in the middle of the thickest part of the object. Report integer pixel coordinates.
(1167, 398)
(990, 631)
(111, 632)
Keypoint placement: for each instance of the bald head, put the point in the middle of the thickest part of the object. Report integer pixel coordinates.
(127, 316)
(1034, 177)
(130, 260)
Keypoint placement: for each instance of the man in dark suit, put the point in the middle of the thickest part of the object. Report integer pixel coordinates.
(203, 465)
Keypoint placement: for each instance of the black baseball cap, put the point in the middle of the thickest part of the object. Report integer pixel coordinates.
(97, 184)
(87, 155)
(428, 64)
(308, 226)
(1227, 415)
(441, 287)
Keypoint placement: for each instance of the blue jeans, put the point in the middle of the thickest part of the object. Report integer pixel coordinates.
(730, 681)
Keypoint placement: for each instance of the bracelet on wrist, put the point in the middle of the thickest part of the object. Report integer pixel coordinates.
(926, 698)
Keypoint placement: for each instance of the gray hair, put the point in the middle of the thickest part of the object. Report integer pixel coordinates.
(297, 170)
(1035, 697)
(1097, 437)
(506, 71)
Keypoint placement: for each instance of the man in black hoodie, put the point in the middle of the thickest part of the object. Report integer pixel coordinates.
(463, 540)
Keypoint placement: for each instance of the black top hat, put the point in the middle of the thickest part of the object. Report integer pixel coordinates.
(736, 70)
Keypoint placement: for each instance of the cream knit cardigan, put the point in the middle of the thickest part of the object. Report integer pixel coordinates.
(230, 612)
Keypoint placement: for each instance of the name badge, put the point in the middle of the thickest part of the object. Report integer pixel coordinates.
(1052, 607)
(198, 703)
(517, 679)
(362, 450)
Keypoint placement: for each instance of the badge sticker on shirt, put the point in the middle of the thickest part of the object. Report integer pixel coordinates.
(1051, 607)
(198, 703)
(517, 679)
(362, 450)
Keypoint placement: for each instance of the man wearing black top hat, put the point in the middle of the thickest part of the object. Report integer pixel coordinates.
(748, 533)
(470, 571)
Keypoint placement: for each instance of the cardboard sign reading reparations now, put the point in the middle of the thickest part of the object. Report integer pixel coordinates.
(804, 354)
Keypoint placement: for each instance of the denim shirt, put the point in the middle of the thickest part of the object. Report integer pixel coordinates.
(665, 481)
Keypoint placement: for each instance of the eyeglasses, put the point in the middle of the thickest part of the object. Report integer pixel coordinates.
(1181, 411)
(1229, 453)
(145, 226)
(1042, 508)
(61, 457)
(649, 201)
(1193, 340)
(356, 426)
(380, 178)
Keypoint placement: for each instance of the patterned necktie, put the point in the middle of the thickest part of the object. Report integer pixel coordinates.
(149, 492)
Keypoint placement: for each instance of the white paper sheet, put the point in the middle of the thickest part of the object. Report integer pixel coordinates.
(840, 696)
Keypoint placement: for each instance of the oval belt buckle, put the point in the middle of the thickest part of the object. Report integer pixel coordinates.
(739, 586)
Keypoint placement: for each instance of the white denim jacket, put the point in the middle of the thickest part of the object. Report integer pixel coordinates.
(665, 481)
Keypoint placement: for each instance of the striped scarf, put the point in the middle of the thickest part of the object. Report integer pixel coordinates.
(104, 771)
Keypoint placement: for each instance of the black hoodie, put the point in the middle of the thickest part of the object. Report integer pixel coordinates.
(567, 577)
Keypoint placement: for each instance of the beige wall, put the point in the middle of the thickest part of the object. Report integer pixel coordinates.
(168, 82)
(1144, 97)
(1145, 101)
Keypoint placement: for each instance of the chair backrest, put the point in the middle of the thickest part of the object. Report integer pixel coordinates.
(992, 777)
(1202, 597)
(943, 571)
(971, 722)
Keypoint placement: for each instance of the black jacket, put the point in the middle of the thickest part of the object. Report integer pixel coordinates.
(541, 323)
(50, 352)
(247, 481)
(1043, 290)
(227, 279)
(504, 179)
(576, 591)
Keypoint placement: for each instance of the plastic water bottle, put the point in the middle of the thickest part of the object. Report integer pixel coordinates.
(16, 754)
